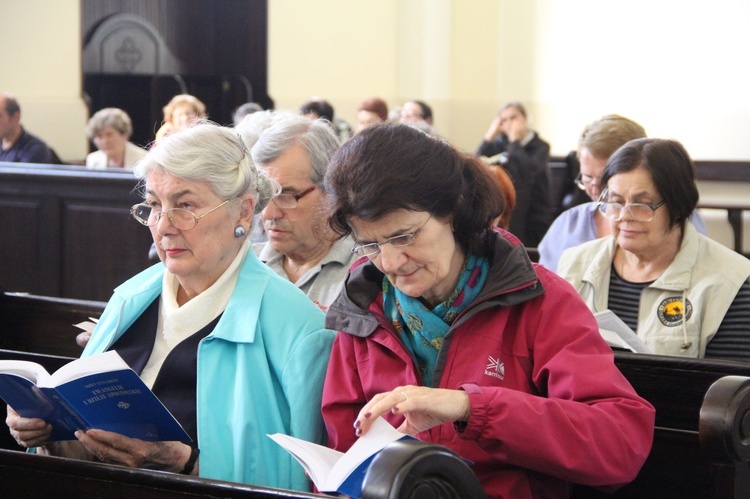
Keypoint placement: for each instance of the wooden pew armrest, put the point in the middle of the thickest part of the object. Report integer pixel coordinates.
(410, 468)
(724, 425)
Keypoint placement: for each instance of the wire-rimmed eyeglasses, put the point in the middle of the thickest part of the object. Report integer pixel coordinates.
(372, 249)
(180, 218)
(639, 212)
(583, 181)
(289, 200)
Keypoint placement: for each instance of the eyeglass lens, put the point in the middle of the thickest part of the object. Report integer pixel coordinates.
(179, 217)
(640, 212)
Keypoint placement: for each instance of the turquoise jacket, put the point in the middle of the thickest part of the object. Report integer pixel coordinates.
(260, 372)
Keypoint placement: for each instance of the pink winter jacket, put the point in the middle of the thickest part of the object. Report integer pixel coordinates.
(548, 405)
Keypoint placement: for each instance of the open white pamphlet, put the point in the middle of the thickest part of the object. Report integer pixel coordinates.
(334, 471)
(617, 334)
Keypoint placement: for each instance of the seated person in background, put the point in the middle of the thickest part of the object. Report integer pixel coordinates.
(317, 107)
(233, 350)
(245, 109)
(510, 143)
(371, 111)
(110, 130)
(681, 292)
(418, 114)
(450, 333)
(585, 222)
(416, 110)
(179, 111)
(250, 129)
(18, 145)
(295, 152)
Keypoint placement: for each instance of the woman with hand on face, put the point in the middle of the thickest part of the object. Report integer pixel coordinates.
(448, 331)
(209, 329)
(110, 130)
(681, 292)
(510, 144)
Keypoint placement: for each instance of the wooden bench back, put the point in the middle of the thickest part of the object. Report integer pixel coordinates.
(68, 230)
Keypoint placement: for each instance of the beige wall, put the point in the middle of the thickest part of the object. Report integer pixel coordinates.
(41, 61)
(676, 67)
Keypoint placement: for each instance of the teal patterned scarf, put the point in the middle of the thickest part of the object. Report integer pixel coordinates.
(421, 329)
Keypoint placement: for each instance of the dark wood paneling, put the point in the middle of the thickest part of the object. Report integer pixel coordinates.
(723, 170)
(72, 235)
(222, 45)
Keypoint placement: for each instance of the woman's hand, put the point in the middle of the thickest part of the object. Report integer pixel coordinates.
(494, 130)
(114, 448)
(28, 432)
(83, 338)
(422, 407)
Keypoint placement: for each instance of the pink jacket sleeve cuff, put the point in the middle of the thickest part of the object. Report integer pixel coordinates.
(473, 428)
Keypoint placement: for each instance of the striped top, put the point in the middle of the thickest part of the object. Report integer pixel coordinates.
(731, 341)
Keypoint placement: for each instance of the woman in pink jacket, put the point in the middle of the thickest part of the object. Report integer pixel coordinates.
(454, 336)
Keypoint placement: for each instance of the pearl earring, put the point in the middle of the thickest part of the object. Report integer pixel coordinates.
(239, 231)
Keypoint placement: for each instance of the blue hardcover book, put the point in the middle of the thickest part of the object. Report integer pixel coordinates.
(100, 391)
(336, 472)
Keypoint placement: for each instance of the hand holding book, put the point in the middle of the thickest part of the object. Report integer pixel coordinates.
(99, 391)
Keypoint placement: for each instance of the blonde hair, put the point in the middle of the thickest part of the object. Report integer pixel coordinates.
(181, 99)
(605, 135)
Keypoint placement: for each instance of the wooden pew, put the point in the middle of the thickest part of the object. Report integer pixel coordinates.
(43, 477)
(68, 230)
(43, 324)
(40, 329)
(424, 471)
(702, 437)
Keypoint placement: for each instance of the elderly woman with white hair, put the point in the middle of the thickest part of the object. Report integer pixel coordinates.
(110, 130)
(210, 329)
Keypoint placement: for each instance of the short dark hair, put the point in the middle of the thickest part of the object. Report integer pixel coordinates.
(671, 168)
(392, 166)
(321, 107)
(11, 105)
(426, 110)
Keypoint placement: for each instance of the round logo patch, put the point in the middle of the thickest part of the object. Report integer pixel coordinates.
(671, 310)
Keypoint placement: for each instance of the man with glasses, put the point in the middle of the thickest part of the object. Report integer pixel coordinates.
(295, 152)
(585, 222)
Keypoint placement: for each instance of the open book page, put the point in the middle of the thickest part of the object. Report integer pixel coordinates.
(31, 371)
(380, 434)
(317, 460)
(617, 334)
(101, 363)
(329, 469)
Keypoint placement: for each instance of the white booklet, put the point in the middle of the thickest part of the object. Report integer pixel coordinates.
(617, 334)
(336, 472)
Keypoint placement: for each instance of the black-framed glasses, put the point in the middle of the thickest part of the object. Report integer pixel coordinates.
(583, 181)
(373, 249)
(180, 218)
(288, 200)
(639, 212)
